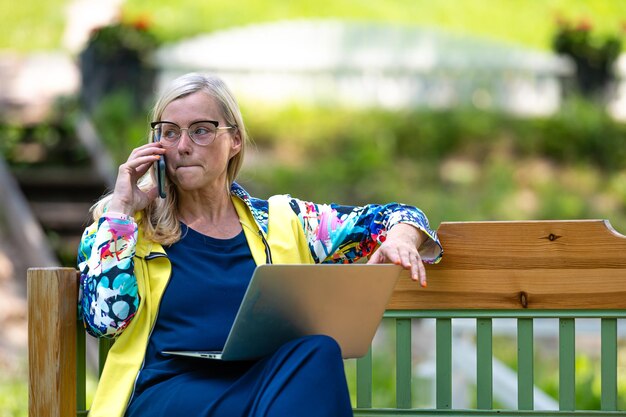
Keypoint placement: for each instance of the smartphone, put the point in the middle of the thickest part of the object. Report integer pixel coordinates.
(160, 174)
(160, 171)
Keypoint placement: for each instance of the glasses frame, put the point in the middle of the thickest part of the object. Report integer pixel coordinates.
(213, 122)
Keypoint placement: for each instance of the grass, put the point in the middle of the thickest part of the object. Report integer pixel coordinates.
(526, 22)
(13, 398)
(39, 25)
(13, 390)
(32, 25)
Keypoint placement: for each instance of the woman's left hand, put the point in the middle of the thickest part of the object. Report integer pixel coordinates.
(401, 248)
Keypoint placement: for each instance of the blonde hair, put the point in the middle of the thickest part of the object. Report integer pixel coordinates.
(159, 220)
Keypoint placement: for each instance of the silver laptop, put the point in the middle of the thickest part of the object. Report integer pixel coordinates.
(285, 302)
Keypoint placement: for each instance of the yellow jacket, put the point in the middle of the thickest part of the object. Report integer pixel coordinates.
(284, 234)
(153, 269)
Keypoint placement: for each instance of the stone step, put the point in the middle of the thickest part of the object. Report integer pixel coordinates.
(62, 217)
(60, 184)
(58, 176)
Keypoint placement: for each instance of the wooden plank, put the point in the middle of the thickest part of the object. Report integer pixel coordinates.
(519, 265)
(492, 290)
(532, 245)
(52, 342)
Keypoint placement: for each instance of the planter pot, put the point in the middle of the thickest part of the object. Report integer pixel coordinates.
(121, 70)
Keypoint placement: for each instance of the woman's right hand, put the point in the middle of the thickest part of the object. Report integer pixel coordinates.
(128, 198)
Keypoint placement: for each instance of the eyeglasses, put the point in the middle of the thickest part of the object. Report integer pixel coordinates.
(202, 133)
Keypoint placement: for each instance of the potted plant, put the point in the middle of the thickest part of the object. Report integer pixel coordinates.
(118, 57)
(593, 56)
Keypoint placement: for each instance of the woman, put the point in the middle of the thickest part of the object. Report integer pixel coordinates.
(169, 274)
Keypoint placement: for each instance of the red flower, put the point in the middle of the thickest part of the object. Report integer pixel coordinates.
(141, 23)
(584, 25)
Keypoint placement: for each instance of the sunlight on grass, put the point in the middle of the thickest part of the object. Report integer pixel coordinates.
(524, 22)
(39, 25)
(32, 25)
(14, 391)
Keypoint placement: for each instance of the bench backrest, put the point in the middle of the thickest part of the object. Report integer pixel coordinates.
(521, 270)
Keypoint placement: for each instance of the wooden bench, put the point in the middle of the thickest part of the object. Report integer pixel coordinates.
(563, 270)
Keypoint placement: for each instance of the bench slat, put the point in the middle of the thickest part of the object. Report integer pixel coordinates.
(567, 364)
(484, 367)
(494, 290)
(525, 364)
(444, 363)
(608, 360)
(518, 265)
(532, 245)
(404, 368)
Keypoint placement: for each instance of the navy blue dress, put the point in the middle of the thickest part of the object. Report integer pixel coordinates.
(305, 377)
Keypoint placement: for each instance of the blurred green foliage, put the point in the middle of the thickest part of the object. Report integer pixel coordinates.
(51, 142)
(461, 164)
(458, 164)
(120, 125)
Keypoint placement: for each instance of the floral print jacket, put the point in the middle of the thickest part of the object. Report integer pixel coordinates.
(109, 297)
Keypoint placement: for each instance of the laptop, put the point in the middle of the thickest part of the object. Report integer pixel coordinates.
(285, 302)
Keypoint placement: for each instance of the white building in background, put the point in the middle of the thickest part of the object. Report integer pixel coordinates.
(369, 64)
